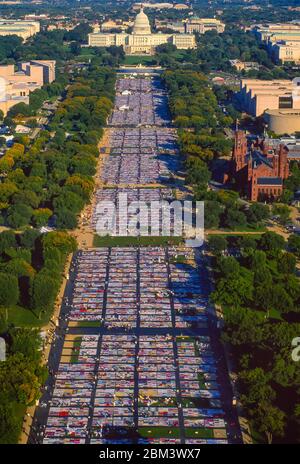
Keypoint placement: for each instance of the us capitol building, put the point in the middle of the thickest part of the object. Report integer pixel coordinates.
(141, 41)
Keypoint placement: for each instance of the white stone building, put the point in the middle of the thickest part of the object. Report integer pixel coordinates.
(141, 41)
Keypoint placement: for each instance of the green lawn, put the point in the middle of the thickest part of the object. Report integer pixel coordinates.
(174, 432)
(185, 338)
(75, 349)
(275, 314)
(134, 60)
(150, 60)
(87, 51)
(237, 233)
(75, 355)
(109, 241)
(178, 54)
(13, 437)
(22, 317)
(88, 324)
(84, 58)
(150, 432)
(199, 433)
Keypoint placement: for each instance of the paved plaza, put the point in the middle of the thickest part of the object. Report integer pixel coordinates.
(137, 357)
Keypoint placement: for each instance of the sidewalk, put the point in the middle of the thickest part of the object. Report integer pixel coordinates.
(84, 233)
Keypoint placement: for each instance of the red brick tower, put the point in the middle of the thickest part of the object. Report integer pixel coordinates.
(240, 150)
(283, 162)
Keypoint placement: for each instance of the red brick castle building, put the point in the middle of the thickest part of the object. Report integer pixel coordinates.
(259, 170)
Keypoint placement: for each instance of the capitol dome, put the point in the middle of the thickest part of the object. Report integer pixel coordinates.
(141, 24)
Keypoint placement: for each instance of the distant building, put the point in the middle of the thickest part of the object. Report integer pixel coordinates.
(141, 41)
(203, 25)
(292, 144)
(218, 80)
(21, 28)
(275, 32)
(181, 6)
(259, 171)
(38, 72)
(158, 6)
(283, 121)
(15, 85)
(111, 24)
(256, 96)
(174, 26)
(285, 51)
(67, 25)
(35, 17)
(282, 40)
(2, 350)
(244, 65)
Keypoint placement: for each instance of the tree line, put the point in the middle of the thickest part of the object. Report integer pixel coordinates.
(259, 292)
(31, 270)
(52, 177)
(201, 124)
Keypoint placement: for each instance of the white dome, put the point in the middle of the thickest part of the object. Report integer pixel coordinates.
(141, 24)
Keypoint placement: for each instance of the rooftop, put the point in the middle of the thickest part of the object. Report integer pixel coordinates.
(258, 158)
(269, 181)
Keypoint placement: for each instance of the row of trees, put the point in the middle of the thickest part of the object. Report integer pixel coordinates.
(31, 268)
(292, 183)
(60, 45)
(53, 176)
(21, 378)
(50, 177)
(201, 123)
(214, 52)
(193, 104)
(258, 289)
(223, 209)
(46, 45)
